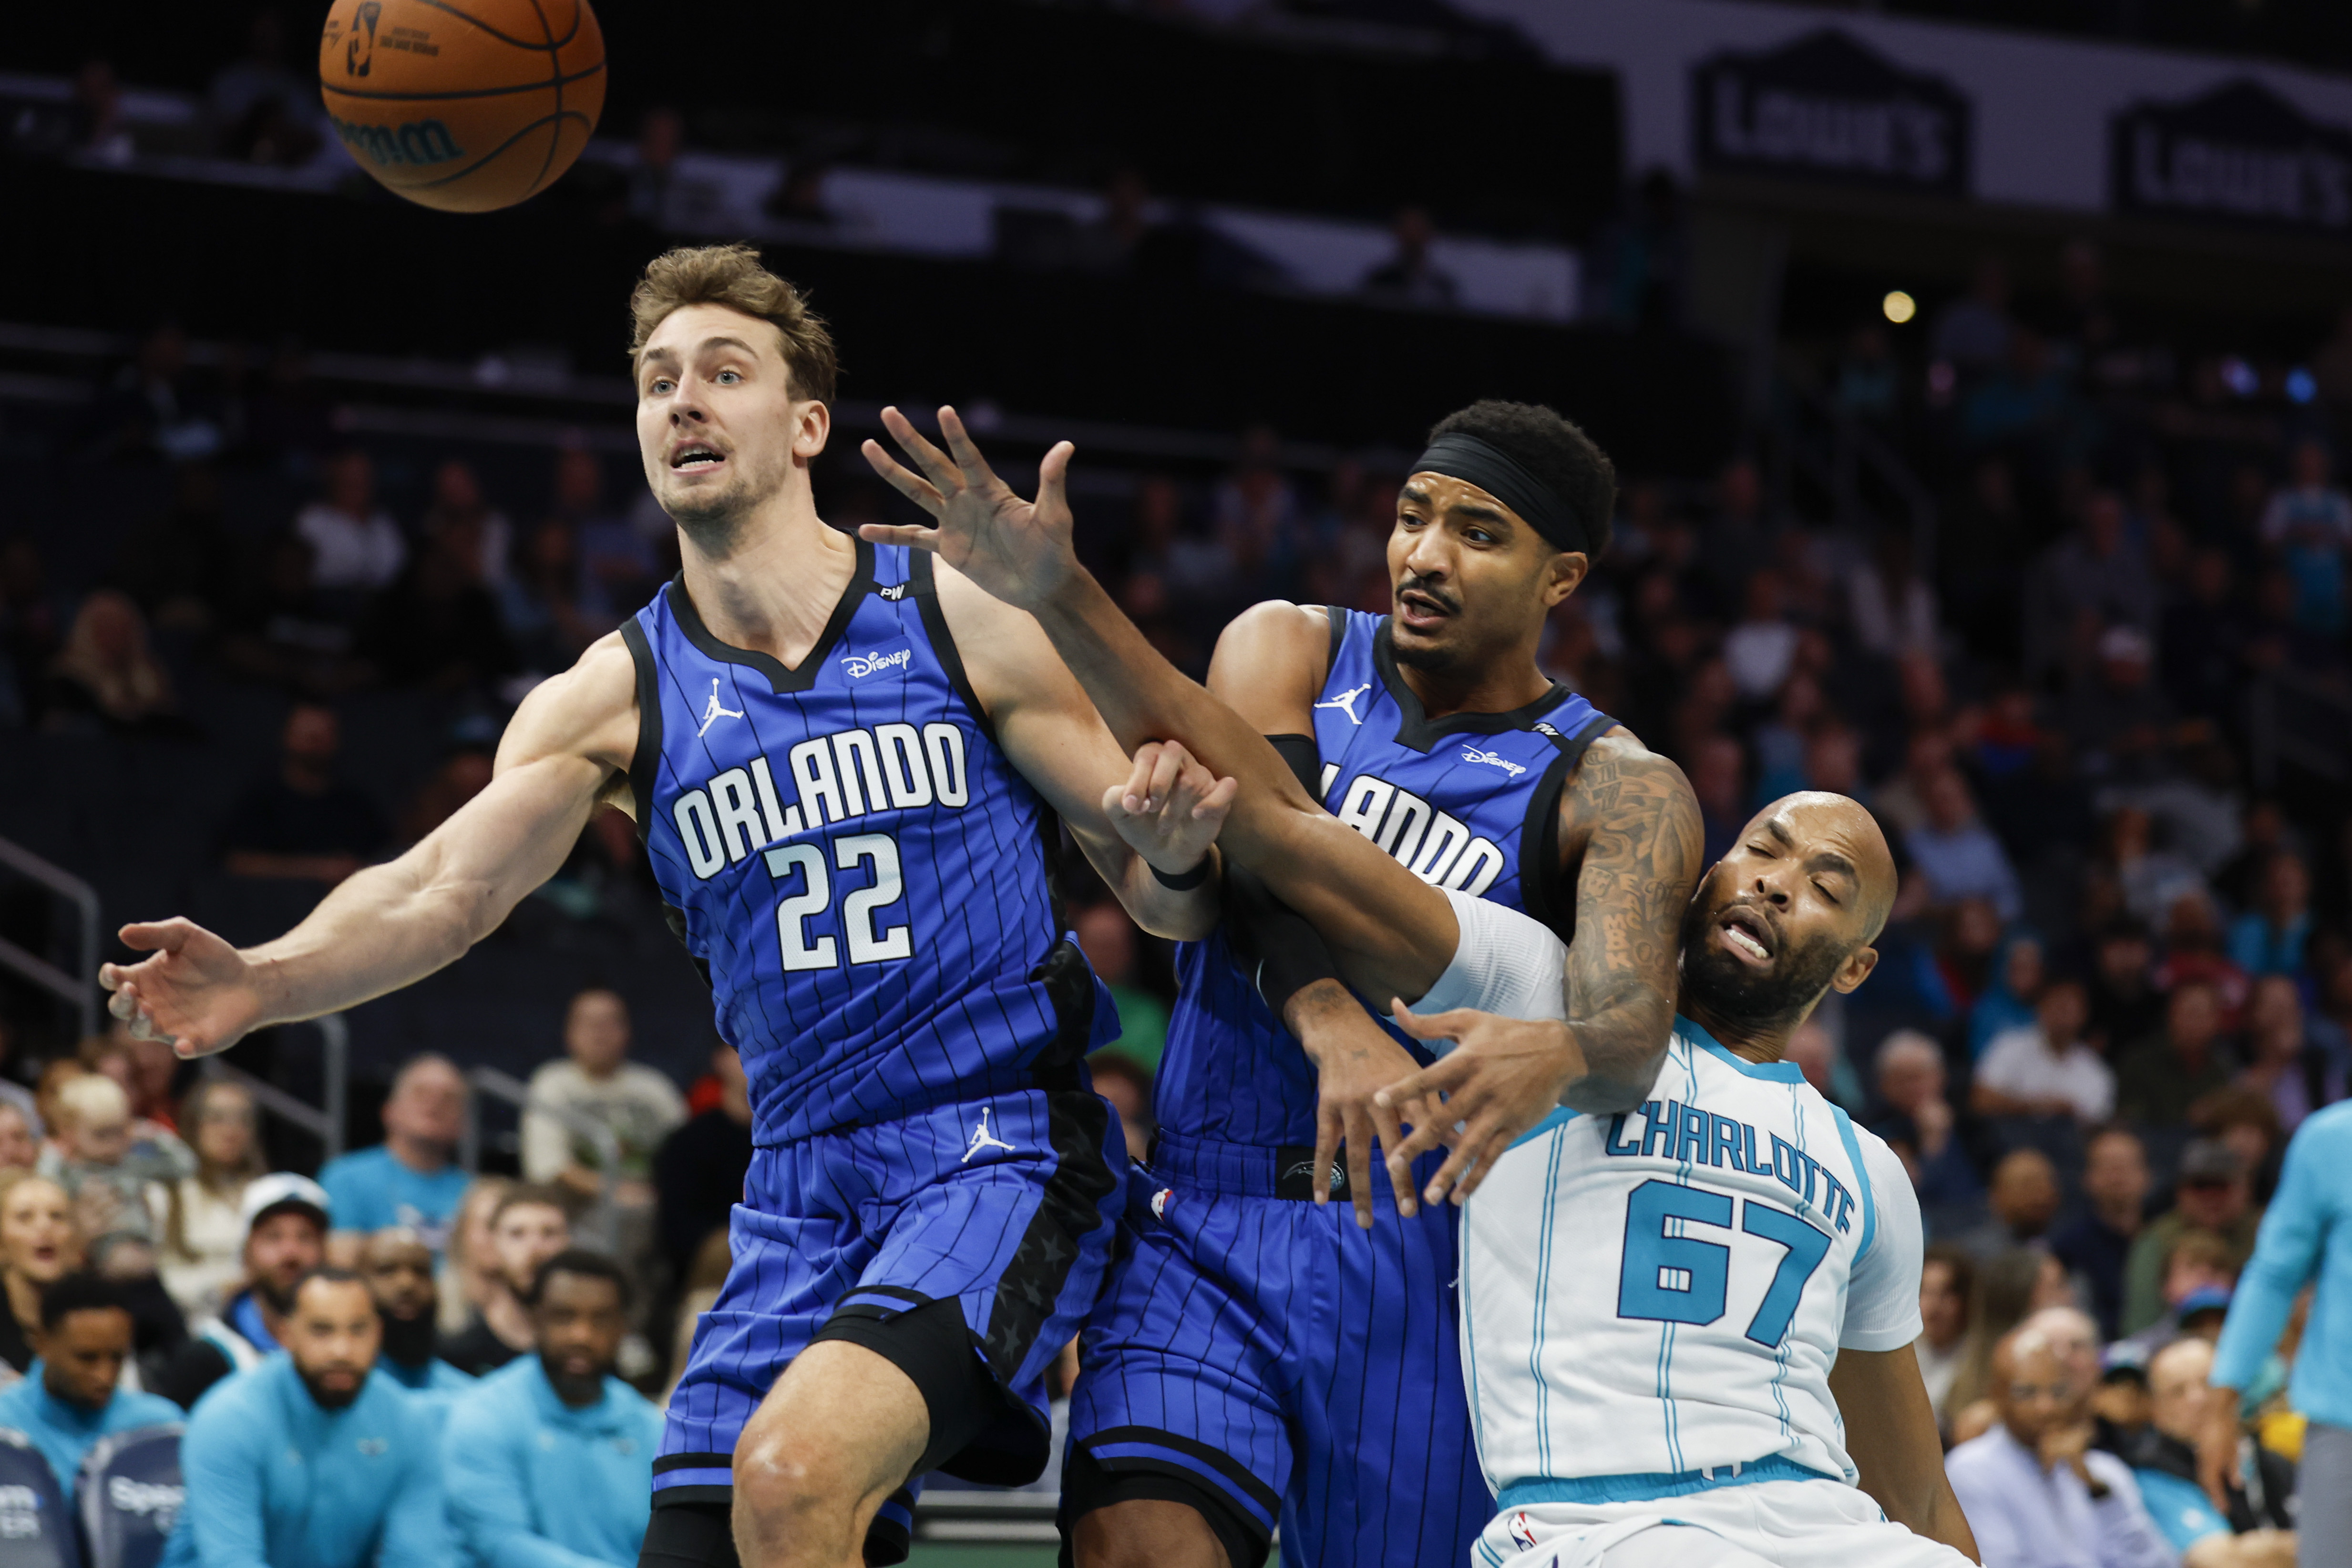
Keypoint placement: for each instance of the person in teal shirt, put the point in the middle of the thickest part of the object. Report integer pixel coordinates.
(411, 1178)
(68, 1400)
(307, 1460)
(398, 1268)
(548, 1462)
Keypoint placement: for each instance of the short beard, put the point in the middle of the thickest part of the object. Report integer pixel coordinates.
(408, 1341)
(329, 1399)
(1435, 660)
(279, 1299)
(576, 1392)
(1733, 993)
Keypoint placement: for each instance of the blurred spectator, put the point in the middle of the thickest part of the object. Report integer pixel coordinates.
(2307, 1237)
(155, 1151)
(2308, 526)
(477, 534)
(2198, 1277)
(596, 1083)
(2164, 1462)
(550, 1459)
(410, 1178)
(464, 773)
(1718, 772)
(617, 566)
(262, 112)
(2291, 1069)
(2269, 939)
(1918, 1121)
(1869, 380)
(1254, 514)
(1957, 854)
(2125, 1004)
(1984, 535)
(1972, 332)
(71, 1396)
(1409, 277)
(38, 1246)
(2093, 579)
(200, 1226)
(1947, 1275)
(282, 629)
(469, 1268)
(2045, 1069)
(2158, 1079)
(93, 1131)
(530, 1226)
(18, 1145)
(398, 1269)
(2005, 1290)
(2024, 1196)
(303, 822)
(1127, 1084)
(1643, 257)
(2118, 720)
(1112, 242)
(436, 625)
(2201, 644)
(1761, 649)
(2034, 1490)
(2096, 1244)
(539, 604)
(2073, 1339)
(1819, 1055)
(1891, 607)
(152, 408)
(309, 1459)
(2008, 999)
(106, 674)
(698, 1170)
(285, 1237)
(661, 137)
(357, 546)
(1108, 937)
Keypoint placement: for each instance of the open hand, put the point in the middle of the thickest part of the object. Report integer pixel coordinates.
(1018, 551)
(1170, 809)
(1354, 1060)
(1503, 1076)
(197, 992)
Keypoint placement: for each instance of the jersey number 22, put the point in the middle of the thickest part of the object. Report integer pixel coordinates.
(868, 945)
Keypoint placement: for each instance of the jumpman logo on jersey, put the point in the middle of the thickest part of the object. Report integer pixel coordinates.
(982, 1139)
(714, 713)
(1346, 703)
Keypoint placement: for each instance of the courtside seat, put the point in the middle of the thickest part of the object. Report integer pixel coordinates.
(35, 1528)
(128, 1497)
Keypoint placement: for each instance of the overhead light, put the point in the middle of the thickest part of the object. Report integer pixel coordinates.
(1898, 306)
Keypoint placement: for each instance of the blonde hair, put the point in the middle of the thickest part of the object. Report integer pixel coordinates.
(92, 1097)
(733, 276)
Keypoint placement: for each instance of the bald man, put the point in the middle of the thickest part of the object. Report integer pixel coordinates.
(2181, 1397)
(2037, 1493)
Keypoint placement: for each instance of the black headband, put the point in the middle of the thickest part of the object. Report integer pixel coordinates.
(1496, 472)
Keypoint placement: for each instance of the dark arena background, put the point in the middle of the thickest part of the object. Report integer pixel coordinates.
(1979, 380)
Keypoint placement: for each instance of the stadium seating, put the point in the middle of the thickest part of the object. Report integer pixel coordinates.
(37, 1530)
(129, 1495)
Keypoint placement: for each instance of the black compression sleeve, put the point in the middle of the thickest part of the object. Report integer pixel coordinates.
(1272, 939)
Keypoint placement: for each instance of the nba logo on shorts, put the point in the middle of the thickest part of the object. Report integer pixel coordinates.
(1160, 1202)
(1522, 1536)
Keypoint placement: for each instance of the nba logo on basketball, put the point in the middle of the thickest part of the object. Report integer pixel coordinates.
(361, 52)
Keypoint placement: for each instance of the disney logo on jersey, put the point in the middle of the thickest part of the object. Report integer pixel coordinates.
(830, 778)
(1434, 845)
(860, 666)
(1471, 754)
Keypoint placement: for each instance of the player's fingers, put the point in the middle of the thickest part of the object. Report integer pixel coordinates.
(158, 935)
(933, 462)
(904, 480)
(1138, 788)
(1360, 1163)
(1218, 800)
(1052, 478)
(124, 1001)
(1166, 769)
(968, 461)
(1443, 1076)
(1458, 1166)
(1328, 1133)
(899, 534)
(1451, 1024)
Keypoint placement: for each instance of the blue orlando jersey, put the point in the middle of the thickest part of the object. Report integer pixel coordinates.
(859, 870)
(1469, 801)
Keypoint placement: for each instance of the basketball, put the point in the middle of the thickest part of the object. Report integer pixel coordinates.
(469, 106)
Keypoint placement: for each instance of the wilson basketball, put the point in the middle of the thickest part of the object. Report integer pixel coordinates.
(465, 105)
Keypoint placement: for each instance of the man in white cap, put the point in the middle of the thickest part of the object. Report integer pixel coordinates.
(285, 1219)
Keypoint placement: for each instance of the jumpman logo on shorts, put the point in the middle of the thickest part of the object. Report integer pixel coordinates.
(1346, 703)
(714, 713)
(982, 1139)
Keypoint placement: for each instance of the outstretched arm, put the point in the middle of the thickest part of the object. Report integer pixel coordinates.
(1391, 932)
(1890, 1430)
(389, 926)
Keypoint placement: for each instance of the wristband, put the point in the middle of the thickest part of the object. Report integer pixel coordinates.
(1185, 882)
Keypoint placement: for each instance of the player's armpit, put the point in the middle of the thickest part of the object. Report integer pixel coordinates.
(1890, 1430)
(1643, 843)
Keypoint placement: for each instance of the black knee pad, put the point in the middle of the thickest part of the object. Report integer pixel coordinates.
(933, 1346)
(1088, 1486)
(702, 1535)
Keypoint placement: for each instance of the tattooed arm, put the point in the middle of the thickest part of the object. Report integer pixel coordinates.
(1638, 824)
(1630, 825)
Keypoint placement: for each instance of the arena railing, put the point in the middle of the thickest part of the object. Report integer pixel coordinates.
(325, 1122)
(79, 990)
(512, 1090)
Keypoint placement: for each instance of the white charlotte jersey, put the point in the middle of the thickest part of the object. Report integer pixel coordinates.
(1662, 1292)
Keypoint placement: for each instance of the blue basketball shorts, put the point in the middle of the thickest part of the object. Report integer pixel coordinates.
(1005, 1206)
(1286, 1364)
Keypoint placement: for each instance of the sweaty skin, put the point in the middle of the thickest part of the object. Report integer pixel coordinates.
(1391, 933)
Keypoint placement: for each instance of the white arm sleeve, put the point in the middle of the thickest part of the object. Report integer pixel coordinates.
(1882, 1299)
(1505, 963)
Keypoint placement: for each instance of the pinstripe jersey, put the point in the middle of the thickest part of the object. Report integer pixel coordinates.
(1664, 1291)
(1468, 801)
(858, 868)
